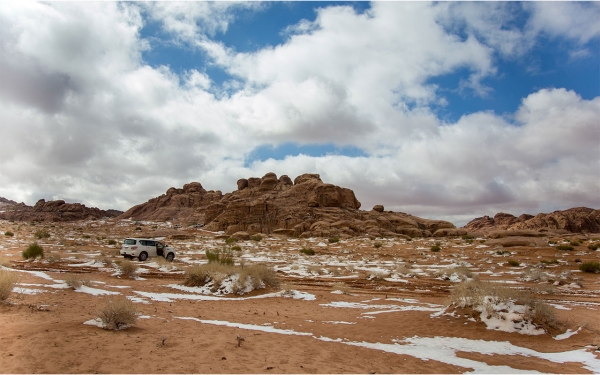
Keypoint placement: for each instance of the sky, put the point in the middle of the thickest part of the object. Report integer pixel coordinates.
(444, 110)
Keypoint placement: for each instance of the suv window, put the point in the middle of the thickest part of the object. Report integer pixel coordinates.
(129, 242)
(147, 243)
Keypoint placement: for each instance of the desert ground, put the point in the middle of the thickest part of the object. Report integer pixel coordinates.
(358, 305)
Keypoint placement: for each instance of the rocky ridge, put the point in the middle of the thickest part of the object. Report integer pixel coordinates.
(573, 220)
(57, 210)
(305, 207)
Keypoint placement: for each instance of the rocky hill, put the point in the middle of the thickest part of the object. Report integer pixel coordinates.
(51, 211)
(574, 220)
(304, 207)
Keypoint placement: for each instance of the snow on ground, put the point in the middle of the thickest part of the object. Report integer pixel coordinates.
(94, 291)
(442, 349)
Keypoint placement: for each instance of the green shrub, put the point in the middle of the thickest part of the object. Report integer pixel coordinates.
(231, 240)
(593, 246)
(435, 248)
(334, 240)
(256, 237)
(112, 242)
(33, 251)
(591, 267)
(307, 251)
(236, 248)
(514, 263)
(220, 256)
(467, 237)
(564, 247)
(502, 252)
(86, 236)
(42, 233)
(10, 234)
(138, 228)
(574, 243)
(377, 245)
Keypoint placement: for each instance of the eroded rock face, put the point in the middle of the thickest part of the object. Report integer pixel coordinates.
(57, 210)
(306, 207)
(574, 220)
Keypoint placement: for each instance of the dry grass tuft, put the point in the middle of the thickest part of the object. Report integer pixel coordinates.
(76, 281)
(7, 283)
(342, 287)
(255, 276)
(118, 313)
(5, 262)
(128, 268)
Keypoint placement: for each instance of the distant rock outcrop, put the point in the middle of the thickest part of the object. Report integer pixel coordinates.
(305, 207)
(574, 220)
(57, 210)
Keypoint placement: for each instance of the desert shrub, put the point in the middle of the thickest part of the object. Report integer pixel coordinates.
(118, 313)
(196, 276)
(127, 268)
(42, 233)
(591, 267)
(462, 271)
(5, 262)
(7, 283)
(86, 236)
(435, 248)
(333, 239)
(574, 243)
(342, 287)
(313, 268)
(112, 242)
(231, 240)
(9, 233)
(262, 276)
(502, 252)
(76, 281)
(378, 275)
(33, 251)
(565, 247)
(377, 244)
(220, 256)
(138, 228)
(236, 248)
(467, 237)
(551, 261)
(593, 246)
(514, 263)
(307, 251)
(256, 237)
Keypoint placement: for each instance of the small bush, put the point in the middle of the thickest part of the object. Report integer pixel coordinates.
(33, 251)
(9, 233)
(7, 283)
(334, 240)
(197, 276)
(128, 268)
(138, 228)
(86, 236)
(112, 242)
(118, 313)
(435, 248)
(502, 252)
(342, 287)
(231, 240)
(513, 263)
(574, 243)
(564, 247)
(75, 281)
(236, 248)
(42, 233)
(467, 237)
(551, 261)
(307, 251)
(256, 237)
(593, 246)
(377, 245)
(220, 256)
(591, 267)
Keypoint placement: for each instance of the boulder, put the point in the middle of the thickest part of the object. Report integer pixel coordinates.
(378, 208)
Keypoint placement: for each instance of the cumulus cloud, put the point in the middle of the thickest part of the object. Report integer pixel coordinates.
(85, 118)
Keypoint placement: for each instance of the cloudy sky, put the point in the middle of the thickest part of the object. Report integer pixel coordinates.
(445, 110)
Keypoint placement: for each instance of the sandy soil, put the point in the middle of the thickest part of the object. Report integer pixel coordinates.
(392, 317)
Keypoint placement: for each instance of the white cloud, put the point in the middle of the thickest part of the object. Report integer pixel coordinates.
(84, 118)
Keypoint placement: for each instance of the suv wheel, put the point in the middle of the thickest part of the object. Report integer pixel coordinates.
(170, 257)
(143, 256)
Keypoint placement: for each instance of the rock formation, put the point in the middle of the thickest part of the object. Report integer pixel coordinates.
(574, 220)
(52, 211)
(304, 207)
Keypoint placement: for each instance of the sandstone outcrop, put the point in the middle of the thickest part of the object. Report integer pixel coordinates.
(304, 207)
(57, 210)
(573, 220)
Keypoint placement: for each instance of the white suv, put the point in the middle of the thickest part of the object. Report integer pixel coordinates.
(142, 248)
